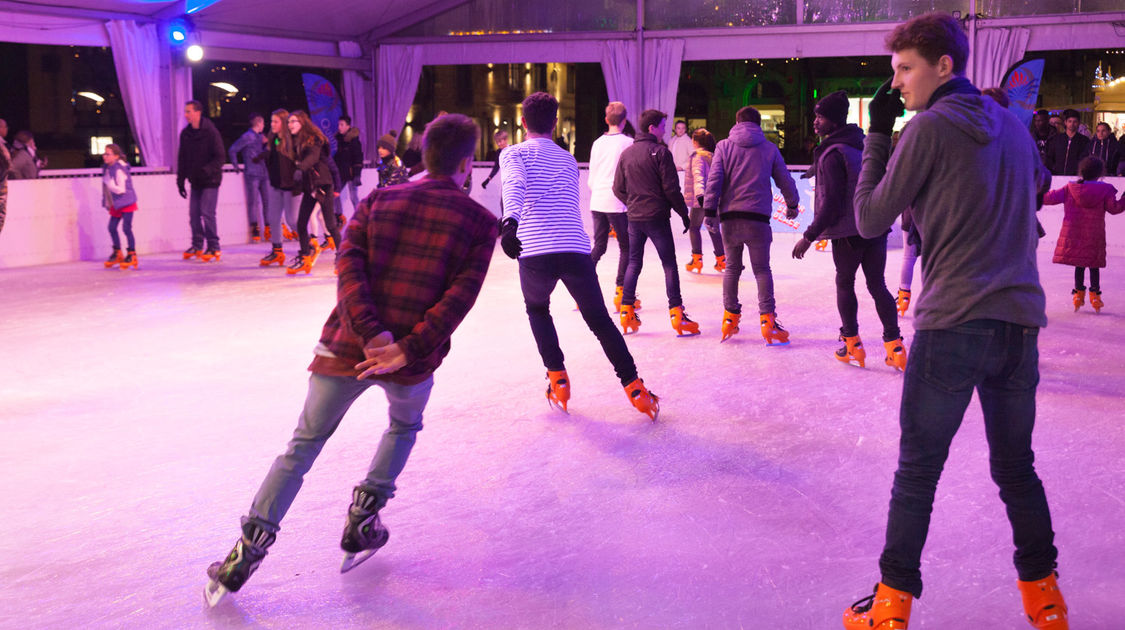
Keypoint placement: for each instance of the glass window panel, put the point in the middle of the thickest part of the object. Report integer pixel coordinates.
(1006, 8)
(490, 17)
(845, 11)
(676, 14)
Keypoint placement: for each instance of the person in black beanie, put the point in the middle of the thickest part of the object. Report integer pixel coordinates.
(836, 164)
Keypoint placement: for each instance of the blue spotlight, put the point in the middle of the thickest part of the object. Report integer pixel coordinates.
(178, 32)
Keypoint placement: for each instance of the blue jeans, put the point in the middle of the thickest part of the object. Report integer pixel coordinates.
(756, 237)
(201, 217)
(660, 231)
(126, 223)
(696, 215)
(538, 277)
(328, 400)
(256, 189)
(620, 223)
(1000, 360)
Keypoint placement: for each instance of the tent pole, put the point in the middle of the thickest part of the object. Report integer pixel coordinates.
(639, 67)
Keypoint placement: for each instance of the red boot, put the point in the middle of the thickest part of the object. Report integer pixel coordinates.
(1044, 604)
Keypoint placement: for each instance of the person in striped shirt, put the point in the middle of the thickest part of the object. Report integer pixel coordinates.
(542, 227)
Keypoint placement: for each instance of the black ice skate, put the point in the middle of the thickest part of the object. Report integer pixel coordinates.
(229, 575)
(364, 534)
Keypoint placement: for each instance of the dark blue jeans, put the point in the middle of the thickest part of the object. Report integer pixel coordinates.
(850, 254)
(201, 217)
(538, 277)
(620, 223)
(1000, 360)
(126, 223)
(660, 231)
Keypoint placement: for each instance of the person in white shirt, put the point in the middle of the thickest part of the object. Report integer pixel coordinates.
(542, 228)
(607, 210)
(680, 145)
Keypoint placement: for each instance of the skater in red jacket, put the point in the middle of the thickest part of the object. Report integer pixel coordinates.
(1082, 238)
(411, 268)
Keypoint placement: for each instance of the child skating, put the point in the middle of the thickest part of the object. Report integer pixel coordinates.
(120, 200)
(1081, 241)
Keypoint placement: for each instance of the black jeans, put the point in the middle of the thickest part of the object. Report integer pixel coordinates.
(620, 223)
(538, 277)
(850, 254)
(1095, 278)
(660, 231)
(327, 209)
(1000, 360)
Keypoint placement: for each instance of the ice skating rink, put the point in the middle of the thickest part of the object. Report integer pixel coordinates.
(140, 410)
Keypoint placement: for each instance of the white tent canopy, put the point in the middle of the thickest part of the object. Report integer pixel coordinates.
(381, 46)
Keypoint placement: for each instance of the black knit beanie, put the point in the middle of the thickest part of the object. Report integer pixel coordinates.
(834, 107)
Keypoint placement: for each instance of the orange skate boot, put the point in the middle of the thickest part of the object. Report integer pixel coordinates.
(772, 331)
(896, 354)
(886, 609)
(853, 351)
(683, 325)
(730, 325)
(558, 391)
(645, 401)
(1044, 604)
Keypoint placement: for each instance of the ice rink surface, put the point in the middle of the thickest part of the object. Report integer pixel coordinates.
(141, 409)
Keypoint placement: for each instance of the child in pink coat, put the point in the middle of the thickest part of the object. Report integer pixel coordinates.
(1082, 238)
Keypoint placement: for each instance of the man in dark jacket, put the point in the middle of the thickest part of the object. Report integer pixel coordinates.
(647, 184)
(200, 163)
(1042, 132)
(349, 161)
(836, 165)
(1064, 150)
(739, 195)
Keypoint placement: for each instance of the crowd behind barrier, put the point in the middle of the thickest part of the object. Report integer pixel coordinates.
(59, 218)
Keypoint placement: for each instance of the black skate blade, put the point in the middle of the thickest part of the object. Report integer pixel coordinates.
(213, 593)
(353, 560)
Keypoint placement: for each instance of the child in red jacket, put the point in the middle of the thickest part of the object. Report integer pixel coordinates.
(1082, 238)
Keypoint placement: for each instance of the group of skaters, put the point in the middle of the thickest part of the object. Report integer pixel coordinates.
(416, 256)
(294, 159)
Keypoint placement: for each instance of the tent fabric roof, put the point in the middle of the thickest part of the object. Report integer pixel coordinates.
(334, 20)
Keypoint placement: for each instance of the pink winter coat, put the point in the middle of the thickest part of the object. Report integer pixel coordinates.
(1082, 238)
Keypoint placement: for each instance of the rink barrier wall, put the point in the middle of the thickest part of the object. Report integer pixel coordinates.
(61, 219)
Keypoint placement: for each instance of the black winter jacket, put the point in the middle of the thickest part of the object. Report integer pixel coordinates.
(349, 155)
(316, 163)
(646, 181)
(201, 156)
(1064, 152)
(836, 164)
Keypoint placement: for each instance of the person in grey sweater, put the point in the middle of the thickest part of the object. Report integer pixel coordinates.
(968, 170)
(739, 195)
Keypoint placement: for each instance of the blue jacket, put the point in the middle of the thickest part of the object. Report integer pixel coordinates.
(115, 199)
(249, 146)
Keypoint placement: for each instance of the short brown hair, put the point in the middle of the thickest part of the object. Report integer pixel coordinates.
(705, 139)
(615, 113)
(447, 141)
(500, 135)
(933, 35)
(540, 112)
(749, 114)
(194, 104)
(116, 150)
(650, 118)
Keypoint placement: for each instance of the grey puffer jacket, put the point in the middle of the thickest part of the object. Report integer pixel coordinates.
(739, 182)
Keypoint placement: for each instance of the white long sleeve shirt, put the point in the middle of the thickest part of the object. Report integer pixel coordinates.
(541, 193)
(603, 165)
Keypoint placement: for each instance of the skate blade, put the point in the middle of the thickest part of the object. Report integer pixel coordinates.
(213, 593)
(771, 344)
(554, 405)
(353, 560)
(687, 334)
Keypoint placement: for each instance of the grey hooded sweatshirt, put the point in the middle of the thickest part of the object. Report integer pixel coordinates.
(739, 182)
(968, 169)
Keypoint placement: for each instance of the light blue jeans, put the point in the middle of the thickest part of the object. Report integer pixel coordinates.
(257, 190)
(328, 400)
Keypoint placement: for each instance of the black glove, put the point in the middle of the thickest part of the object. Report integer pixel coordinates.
(183, 191)
(791, 212)
(508, 241)
(484, 184)
(298, 176)
(699, 199)
(885, 106)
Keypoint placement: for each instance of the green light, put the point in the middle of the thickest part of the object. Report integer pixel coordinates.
(814, 92)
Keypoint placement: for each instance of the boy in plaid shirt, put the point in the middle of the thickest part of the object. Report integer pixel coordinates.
(410, 268)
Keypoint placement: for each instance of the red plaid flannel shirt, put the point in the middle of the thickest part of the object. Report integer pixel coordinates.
(412, 263)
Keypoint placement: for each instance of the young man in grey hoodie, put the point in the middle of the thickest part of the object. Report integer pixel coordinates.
(739, 195)
(968, 170)
(835, 166)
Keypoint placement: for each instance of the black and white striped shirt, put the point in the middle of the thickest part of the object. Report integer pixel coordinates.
(541, 193)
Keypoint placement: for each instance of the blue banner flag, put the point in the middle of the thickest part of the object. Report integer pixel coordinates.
(1022, 83)
(324, 105)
